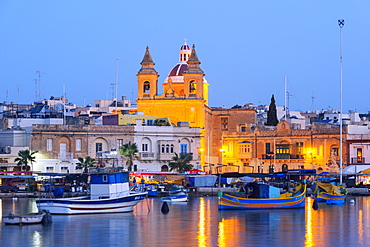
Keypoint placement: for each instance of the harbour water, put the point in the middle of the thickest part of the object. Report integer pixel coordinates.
(195, 223)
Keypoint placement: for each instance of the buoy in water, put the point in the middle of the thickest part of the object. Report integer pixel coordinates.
(315, 205)
(165, 209)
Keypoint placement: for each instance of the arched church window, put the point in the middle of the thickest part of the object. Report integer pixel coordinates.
(171, 149)
(192, 86)
(146, 87)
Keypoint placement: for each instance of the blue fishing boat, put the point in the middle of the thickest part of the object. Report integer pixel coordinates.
(264, 196)
(329, 193)
(110, 193)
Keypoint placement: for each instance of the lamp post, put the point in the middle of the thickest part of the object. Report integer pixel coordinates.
(270, 155)
(341, 24)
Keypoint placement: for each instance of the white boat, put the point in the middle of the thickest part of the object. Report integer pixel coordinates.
(176, 198)
(32, 218)
(109, 194)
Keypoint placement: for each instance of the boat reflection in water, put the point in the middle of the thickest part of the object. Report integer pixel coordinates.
(196, 223)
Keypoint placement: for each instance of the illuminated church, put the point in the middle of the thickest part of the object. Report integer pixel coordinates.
(185, 92)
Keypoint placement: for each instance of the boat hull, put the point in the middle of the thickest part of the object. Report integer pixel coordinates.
(85, 206)
(177, 198)
(24, 219)
(228, 202)
(330, 198)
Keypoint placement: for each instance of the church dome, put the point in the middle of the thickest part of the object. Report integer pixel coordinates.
(178, 70)
(185, 47)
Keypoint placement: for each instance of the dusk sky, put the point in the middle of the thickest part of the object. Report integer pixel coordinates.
(245, 48)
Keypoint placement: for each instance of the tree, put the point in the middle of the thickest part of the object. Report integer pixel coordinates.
(25, 156)
(272, 113)
(130, 150)
(85, 163)
(181, 163)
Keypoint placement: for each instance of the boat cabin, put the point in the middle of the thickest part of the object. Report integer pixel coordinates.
(109, 185)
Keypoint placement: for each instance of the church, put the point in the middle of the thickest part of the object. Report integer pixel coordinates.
(185, 93)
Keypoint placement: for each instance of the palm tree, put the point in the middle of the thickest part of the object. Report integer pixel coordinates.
(25, 156)
(130, 150)
(85, 163)
(181, 163)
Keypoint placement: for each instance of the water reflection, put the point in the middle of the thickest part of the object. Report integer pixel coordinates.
(196, 223)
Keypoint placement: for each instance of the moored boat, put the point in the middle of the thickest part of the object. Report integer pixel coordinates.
(264, 196)
(176, 198)
(110, 193)
(32, 218)
(329, 193)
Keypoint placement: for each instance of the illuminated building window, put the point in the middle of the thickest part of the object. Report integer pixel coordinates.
(299, 147)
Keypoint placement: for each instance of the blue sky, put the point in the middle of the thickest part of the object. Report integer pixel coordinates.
(246, 48)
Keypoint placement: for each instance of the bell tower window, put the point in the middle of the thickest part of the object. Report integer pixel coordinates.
(192, 87)
(146, 87)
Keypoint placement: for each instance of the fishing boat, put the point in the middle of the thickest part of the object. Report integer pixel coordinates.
(176, 198)
(264, 196)
(32, 218)
(109, 193)
(329, 193)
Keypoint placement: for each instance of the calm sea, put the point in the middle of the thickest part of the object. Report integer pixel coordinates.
(195, 223)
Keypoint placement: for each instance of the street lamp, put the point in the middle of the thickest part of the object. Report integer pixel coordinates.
(341, 24)
(270, 155)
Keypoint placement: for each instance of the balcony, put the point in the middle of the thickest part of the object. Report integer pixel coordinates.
(65, 156)
(358, 160)
(165, 156)
(146, 156)
(282, 156)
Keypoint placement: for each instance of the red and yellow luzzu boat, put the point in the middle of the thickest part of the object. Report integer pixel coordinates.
(296, 199)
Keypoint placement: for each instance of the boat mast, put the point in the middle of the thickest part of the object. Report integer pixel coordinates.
(341, 24)
(285, 95)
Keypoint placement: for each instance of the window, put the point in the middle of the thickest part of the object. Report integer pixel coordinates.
(230, 147)
(78, 144)
(105, 178)
(162, 149)
(318, 150)
(243, 128)
(245, 148)
(49, 144)
(184, 148)
(359, 155)
(64, 168)
(144, 147)
(167, 149)
(120, 143)
(282, 148)
(49, 169)
(267, 148)
(299, 147)
(98, 147)
(171, 149)
(224, 123)
(192, 87)
(146, 87)
(335, 151)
